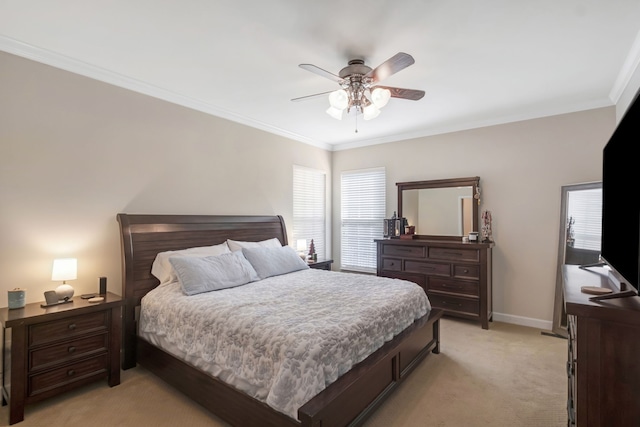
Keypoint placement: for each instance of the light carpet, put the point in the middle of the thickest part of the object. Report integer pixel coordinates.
(508, 375)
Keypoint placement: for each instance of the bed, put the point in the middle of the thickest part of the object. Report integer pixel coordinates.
(346, 401)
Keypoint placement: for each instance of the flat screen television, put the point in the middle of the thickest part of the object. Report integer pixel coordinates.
(620, 245)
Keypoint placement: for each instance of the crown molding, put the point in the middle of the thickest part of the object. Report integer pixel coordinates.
(104, 75)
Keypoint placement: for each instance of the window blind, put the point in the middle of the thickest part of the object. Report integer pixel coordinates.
(585, 208)
(309, 208)
(362, 214)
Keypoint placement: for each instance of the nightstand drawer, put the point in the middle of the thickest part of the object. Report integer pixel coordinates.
(455, 254)
(67, 351)
(466, 271)
(68, 374)
(69, 327)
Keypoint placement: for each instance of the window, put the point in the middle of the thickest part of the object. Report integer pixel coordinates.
(363, 211)
(584, 210)
(309, 208)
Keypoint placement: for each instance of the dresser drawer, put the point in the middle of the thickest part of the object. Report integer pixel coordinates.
(64, 328)
(429, 268)
(466, 271)
(391, 264)
(404, 251)
(453, 286)
(454, 254)
(68, 374)
(456, 304)
(67, 351)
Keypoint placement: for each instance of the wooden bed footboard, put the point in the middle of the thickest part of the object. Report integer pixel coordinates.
(347, 401)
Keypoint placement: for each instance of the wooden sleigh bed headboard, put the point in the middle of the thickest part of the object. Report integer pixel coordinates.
(144, 236)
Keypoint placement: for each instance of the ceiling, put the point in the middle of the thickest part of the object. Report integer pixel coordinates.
(480, 62)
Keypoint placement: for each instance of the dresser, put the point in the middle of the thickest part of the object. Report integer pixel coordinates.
(603, 363)
(456, 276)
(47, 351)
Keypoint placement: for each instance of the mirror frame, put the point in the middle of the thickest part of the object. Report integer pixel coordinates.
(473, 182)
(559, 322)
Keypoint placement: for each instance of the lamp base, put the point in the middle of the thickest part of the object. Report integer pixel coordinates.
(56, 303)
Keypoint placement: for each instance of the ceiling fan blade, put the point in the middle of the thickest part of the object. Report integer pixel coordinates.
(397, 62)
(316, 95)
(319, 71)
(411, 94)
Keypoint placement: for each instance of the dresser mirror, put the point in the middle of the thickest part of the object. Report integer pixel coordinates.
(442, 208)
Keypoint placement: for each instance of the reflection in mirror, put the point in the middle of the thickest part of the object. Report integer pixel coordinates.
(439, 211)
(443, 208)
(579, 238)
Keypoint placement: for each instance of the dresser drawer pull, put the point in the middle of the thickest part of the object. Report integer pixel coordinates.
(71, 349)
(71, 373)
(465, 270)
(403, 249)
(451, 303)
(72, 326)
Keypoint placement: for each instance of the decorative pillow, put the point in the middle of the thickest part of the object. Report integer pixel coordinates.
(163, 270)
(212, 273)
(236, 245)
(274, 261)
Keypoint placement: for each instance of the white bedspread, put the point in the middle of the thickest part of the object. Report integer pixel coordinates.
(283, 339)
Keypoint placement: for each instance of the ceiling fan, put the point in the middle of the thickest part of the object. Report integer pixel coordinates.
(359, 86)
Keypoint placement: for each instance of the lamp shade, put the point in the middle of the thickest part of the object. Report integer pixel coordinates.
(301, 245)
(335, 113)
(64, 269)
(380, 96)
(339, 99)
(370, 112)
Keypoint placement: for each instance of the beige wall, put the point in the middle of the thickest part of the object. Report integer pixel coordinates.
(74, 152)
(522, 167)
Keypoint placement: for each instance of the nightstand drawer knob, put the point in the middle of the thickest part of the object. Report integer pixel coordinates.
(72, 326)
(71, 373)
(71, 349)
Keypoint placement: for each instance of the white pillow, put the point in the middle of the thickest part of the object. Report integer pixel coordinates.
(163, 270)
(212, 273)
(274, 261)
(236, 245)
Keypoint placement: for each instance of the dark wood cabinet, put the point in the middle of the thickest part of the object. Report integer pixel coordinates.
(321, 265)
(456, 276)
(47, 351)
(603, 365)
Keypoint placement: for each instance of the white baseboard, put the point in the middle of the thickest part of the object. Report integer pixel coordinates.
(523, 321)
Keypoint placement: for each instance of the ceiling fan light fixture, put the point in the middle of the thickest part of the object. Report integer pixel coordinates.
(370, 112)
(339, 99)
(380, 96)
(334, 112)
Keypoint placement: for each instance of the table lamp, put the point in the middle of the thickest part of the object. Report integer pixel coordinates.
(64, 269)
(301, 245)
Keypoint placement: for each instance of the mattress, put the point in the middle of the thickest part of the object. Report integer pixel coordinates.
(284, 339)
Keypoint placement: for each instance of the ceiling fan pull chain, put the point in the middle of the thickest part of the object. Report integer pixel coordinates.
(356, 122)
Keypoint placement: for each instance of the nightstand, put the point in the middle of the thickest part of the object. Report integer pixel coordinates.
(321, 265)
(48, 351)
